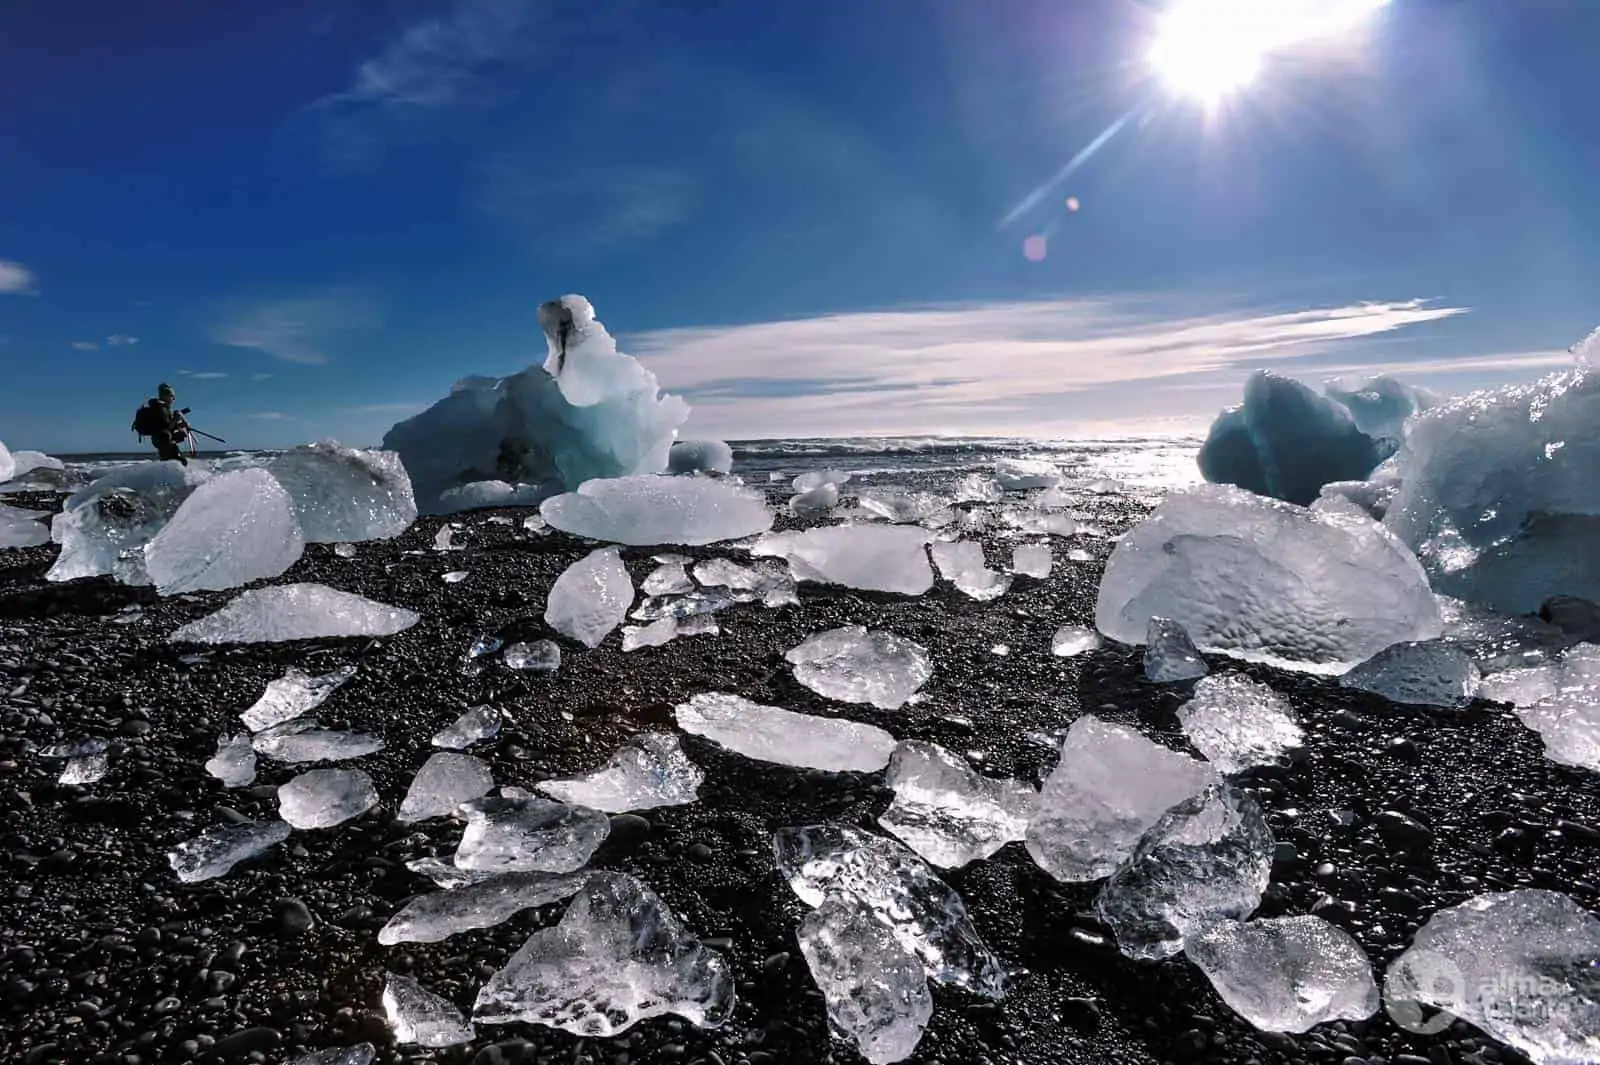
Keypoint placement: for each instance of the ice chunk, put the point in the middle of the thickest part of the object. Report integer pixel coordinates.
(236, 528)
(1018, 475)
(1238, 723)
(619, 956)
(700, 456)
(292, 695)
(1380, 405)
(1562, 704)
(1169, 654)
(445, 781)
(1032, 560)
(668, 578)
(483, 903)
(683, 608)
(593, 413)
(648, 771)
(765, 581)
(875, 991)
(8, 463)
(1520, 965)
(1286, 974)
(1072, 640)
(360, 1054)
(1110, 786)
(84, 769)
(1286, 441)
(1264, 580)
(446, 875)
(235, 761)
(904, 506)
(1426, 673)
(529, 835)
(483, 645)
(770, 734)
(1039, 522)
(479, 723)
(873, 558)
(343, 493)
(345, 550)
(979, 488)
(646, 510)
(805, 482)
(962, 563)
(322, 798)
(590, 598)
(302, 741)
(1207, 859)
(444, 539)
(103, 528)
(217, 850)
(418, 1016)
(658, 632)
(855, 665)
(946, 812)
(454, 576)
(818, 500)
(836, 862)
(22, 528)
(540, 656)
(295, 612)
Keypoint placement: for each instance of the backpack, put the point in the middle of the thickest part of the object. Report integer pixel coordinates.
(148, 421)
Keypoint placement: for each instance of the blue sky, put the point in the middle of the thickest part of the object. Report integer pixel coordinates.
(311, 218)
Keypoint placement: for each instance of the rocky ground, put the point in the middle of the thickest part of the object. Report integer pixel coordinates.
(105, 957)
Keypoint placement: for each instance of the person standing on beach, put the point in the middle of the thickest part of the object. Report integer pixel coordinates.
(165, 427)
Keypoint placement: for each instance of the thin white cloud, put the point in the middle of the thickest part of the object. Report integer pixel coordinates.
(16, 279)
(273, 416)
(208, 375)
(86, 345)
(120, 340)
(260, 377)
(588, 209)
(386, 408)
(301, 329)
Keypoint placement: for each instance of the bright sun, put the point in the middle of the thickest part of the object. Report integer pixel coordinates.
(1209, 49)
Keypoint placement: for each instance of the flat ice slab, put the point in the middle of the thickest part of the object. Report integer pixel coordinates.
(323, 798)
(217, 850)
(445, 781)
(771, 734)
(295, 612)
(646, 510)
(590, 598)
(1421, 673)
(873, 558)
(1286, 974)
(529, 835)
(292, 695)
(484, 903)
(855, 665)
(647, 772)
(236, 528)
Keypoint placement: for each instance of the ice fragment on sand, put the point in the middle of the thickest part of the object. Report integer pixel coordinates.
(1207, 859)
(855, 665)
(874, 558)
(658, 632)
(360, 1054)
(590, 598)
(529, 835)
(445, 781)
(1519, 965)
(235, 761)
(1110, 786)
(818, 500)
(1017, 475)
(1071, 640)
(659, 510)
(962, 564)
(22, 528)
(771, 734)
(946, 812)
(1238, 723)
(418, 1016)
(668, 578)
(345, 550)
(1041, 522)
(875, 990)
(1426, 673)
(454, 576)
(619, 956)
(979, 488)
(480, 903)
(535, 524)
(322, 798)
(444, 539)
(302, 741)
(217, 850)
(1561, 702)
(540, 656)
(236, 528)
(295, 612)
(479, 723)
(1265, 580)
(343, 493)
(1032, 560)
(805, 482)
(83, 769)
(1286, 974)
(1169, 654)
(103, 528)
(292, 695)
(903, 506)
(899, 890)
(765, 581)
(647, 772)
(700, 456)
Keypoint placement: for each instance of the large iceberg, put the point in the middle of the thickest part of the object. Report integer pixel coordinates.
(8, 463)
(236, 528)
(343, 495)
(1265, 580)
(295, 612)
(103, 528)
(589, 411)
(647, 510)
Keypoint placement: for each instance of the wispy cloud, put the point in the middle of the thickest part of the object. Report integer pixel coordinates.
(386, 408)
(120, 340)
(86, 345)
(589, 209)
(302, 329)
(272, 416)
(16, 279)
(260, 377)
(208, 375)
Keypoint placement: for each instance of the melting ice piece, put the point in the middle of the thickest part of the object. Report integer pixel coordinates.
(805, 482)
(901, 892)
(454, 576)
(905, 507)
(292, 695)
(854, 665)
(482, 903)
(1110, 786)
(770, 734)
(1032, 560)
(535, 524)
(476, 494)
(1286, 974)
(1568, 716)
(360, 1054)
(322, 798)
(1426, 673)
(295, 612)
(443, 540)
(235, 761)
(650, 509)
(1042, 522)
(962, 564)
(1207, 859)
(540, 656)
(343, 493)
(479, 723)
(445, 781)
(1018, 475)
(668, 578)
(818, 500)
(873, 558)
(685, 607)
(658, 632)
(700, 456)
(1071, 640)
(102, 529)
(1169, 654)
(84, 769)
(1262, 579)
(1518, 965)
(236, 528)
(765, 581)
(483, 645)
(591, 597)
(345, 550)
(946, 812)
(418, 1016)
(302, 741)
(979, 488)
(529, 835)
(648, 771)
(875, 990)
(446, 875)
(1237, 723)
(618, 956)
(217, 850)
(22, 528)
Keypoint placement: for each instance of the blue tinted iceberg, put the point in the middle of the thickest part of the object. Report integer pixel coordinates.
(700, 456)
(1379, 404)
